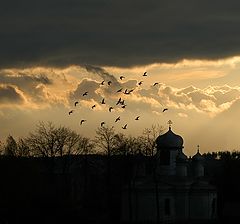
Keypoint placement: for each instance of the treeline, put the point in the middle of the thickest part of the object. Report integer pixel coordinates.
(49, 140)
(223, 155)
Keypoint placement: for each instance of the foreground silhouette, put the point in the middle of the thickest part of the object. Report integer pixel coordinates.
(73, 182)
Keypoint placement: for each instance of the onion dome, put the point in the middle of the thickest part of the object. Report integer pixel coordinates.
(197, 156)
(169, 140)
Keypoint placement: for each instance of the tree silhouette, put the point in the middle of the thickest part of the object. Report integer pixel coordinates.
(149, 137)
(106, 140)
(51, 141)
(23, 149)
(11, 147)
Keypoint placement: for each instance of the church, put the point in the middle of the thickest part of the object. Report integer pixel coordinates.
(176, 192)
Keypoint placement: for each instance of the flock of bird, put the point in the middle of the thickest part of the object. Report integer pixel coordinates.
(120, 101)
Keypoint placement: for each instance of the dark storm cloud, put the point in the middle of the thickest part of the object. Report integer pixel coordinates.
(102, 73)
(119, 33)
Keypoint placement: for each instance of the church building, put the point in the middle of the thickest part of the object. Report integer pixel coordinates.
(177, 191)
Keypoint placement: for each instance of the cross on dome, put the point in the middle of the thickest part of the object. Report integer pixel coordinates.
(198, 147)
(170, 124)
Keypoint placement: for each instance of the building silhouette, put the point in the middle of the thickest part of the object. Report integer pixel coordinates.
(177, 190)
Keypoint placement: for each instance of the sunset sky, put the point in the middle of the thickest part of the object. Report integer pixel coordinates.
(51, 52)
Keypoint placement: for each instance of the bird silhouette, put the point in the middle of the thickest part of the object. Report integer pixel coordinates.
(128, 92)
(140, 83)
(122, 77)
(93, 106)
(119, 101)
(155, 83)
(70, 112)
(85, 94)
(109, 83)
(124, 106)
(122, 102)
(165, 109)
(75, 104)
(120, 90)
(125, 126)
(102, 123)
(117, 119)
(82, 121)
(110, 109)
(103, 101)
(102, 83)
(145, 74)
(137, 118)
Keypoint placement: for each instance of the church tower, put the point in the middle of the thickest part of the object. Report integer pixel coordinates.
(198, 167)
(169, 146)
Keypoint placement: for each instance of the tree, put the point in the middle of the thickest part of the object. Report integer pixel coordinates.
(51, 141)
(134, 145)
(149, 138)
(106, 139)
(23, 148)
(84, 147)
(11, 146)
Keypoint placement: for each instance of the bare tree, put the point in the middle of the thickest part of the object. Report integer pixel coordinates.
(149, 137)
(2, 148)
(23, 148)
(84, 147)
(11, 146)
(51, 141)
(106, 139)
(134, 145)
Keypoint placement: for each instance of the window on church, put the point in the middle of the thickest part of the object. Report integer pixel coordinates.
(167, 207)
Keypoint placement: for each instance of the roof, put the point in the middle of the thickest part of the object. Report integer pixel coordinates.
(169, 140)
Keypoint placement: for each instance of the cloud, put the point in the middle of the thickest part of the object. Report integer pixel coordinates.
(38, 87)
(192, 109)
(124, 33)
(9, 94)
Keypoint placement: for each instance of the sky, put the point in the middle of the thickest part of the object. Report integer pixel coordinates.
(51, 52)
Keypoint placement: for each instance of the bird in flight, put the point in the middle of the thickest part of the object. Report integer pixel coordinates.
(137, 118)
(93, 106)
(110, 109)
(124, 106)
(122, 102)
(82, 122)
(140, 83)
(70, 112)
(122, 77)
(85, 94)
(102, 83)
(102, 123)
(128, 92)
(165, 109)
(75, 104)
(103, 101)
(145, 74)
(120, 90)
(155, 83)
(109, 83)
(117, 119)
(119, 101)
(125, 126)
